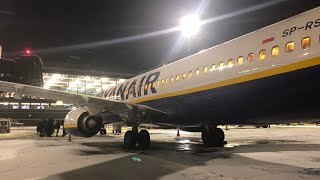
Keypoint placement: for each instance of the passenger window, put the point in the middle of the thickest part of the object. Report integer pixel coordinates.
(290, 46)
(275, 51)
(171, 79)
(305, 43)
(250, 57)
(183, 76)
(262, 54)
(158, 83)
(230, 63)
(221, 65)
(189, 74)
(167, 80)
(162, 81)
(154, 84)
(213, 67)
(177, 78)
(197, 72)
(205, 69)
(240, 60)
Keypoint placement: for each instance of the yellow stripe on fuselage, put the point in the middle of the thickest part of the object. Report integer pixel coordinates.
(245, 78)
(70, 126)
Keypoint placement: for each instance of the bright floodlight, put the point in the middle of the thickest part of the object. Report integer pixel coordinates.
(190, 25)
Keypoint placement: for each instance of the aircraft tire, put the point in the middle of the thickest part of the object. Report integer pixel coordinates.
(143, 139)
(130, 140)
(212, 137)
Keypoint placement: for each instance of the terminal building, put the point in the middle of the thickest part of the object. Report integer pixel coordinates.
(31, 109)
(89, 85)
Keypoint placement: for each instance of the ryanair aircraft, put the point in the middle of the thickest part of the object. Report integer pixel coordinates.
(269, 76)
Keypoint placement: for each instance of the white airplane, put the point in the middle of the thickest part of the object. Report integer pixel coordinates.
(271, 75)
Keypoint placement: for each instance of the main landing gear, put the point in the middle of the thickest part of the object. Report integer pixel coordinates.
(133, 138)
(212, 136)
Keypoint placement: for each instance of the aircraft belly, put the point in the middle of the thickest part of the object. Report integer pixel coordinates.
(266, 99)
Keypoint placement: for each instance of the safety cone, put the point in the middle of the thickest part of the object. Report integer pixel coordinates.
(178, 133)
(69, 138)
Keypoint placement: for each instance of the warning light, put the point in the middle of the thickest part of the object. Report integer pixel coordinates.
(28, 52)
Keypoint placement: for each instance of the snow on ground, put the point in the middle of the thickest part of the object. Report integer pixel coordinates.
(280, 152)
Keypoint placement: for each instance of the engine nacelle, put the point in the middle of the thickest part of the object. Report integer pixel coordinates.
(78, 122)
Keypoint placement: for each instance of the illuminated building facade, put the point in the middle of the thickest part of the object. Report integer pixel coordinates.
(89, 85)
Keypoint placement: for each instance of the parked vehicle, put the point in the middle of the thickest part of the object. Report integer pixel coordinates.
(4, 125)
(45, 128)
(116, 127)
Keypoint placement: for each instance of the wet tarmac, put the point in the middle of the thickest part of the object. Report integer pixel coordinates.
(275, 153)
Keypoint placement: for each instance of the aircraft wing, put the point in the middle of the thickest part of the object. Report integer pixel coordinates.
(94, 103)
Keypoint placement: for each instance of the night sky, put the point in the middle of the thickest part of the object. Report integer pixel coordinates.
(94, 34)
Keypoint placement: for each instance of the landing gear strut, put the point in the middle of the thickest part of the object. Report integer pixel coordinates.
(212, 136)
(133, 138)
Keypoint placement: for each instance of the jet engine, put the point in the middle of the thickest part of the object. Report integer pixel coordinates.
(78, 122)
